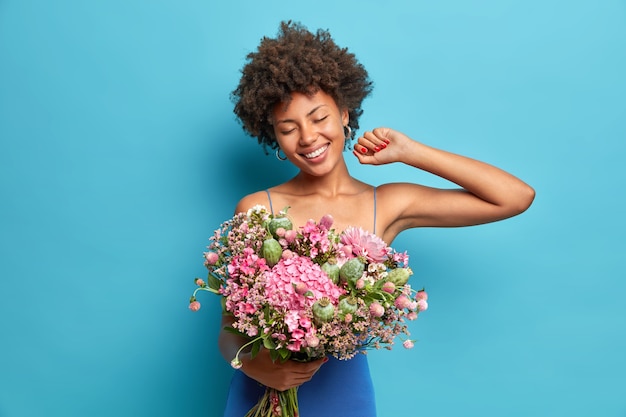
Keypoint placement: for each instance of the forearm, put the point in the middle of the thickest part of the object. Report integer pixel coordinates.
(229, 343)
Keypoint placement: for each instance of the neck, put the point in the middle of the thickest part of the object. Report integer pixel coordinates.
(334, 183)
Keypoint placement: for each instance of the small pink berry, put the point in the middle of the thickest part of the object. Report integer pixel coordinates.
(199, 282)
(327, 221)
(389, 287)
(211, 258)
(274, 398)
(312, 341)
(194, 306)
(280, 232)
(402, 302)
(287, 254)
(421, 295)
(408, 344)
(290, 235)
(376, 310)
(412, 315)
(348, 318)
(236, 363)
(300, 288)
(360, 284)
(422, 305)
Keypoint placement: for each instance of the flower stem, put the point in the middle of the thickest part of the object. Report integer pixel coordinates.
(236, 359)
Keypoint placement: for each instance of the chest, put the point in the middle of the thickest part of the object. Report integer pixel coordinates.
(356, 211)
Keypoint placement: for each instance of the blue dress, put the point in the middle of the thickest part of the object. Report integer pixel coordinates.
(338, 389)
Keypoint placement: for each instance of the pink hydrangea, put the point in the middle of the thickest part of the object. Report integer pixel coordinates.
(283, 279)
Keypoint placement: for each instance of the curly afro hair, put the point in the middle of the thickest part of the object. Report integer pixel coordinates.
(297, 61)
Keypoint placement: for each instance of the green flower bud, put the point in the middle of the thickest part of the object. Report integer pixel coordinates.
(332, 270)
(271, 251)
(277, 222)
(351, 270)
(399, 276)
(323, 310)
(348, 305)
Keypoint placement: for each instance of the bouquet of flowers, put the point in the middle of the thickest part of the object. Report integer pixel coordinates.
(307, 293)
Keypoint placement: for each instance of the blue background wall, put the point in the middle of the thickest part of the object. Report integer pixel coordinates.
(120, 154)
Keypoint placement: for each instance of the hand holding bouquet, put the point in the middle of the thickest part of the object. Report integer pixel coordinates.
(307, 293)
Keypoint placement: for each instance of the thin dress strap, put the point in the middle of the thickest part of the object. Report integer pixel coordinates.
(374, 210)
(270, 200)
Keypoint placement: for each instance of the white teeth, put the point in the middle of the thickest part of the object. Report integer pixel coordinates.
(316, 153)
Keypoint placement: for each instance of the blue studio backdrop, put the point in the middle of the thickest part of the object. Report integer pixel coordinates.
(120, 154)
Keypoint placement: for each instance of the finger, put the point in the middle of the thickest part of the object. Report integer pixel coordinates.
(375, 142)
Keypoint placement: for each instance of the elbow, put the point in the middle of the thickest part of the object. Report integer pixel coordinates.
(523, 200)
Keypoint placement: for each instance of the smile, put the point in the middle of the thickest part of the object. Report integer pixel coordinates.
(316, 152)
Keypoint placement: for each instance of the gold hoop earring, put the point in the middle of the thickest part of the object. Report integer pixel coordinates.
(279, 157)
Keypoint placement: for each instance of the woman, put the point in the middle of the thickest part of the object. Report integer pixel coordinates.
(301, 95)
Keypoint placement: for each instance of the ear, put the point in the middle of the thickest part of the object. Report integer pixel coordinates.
(345, 116)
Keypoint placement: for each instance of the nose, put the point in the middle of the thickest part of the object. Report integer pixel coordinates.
(308, 134)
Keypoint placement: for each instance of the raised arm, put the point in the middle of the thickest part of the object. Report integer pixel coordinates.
(487, 193)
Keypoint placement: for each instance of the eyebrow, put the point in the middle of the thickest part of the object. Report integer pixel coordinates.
(307, 115)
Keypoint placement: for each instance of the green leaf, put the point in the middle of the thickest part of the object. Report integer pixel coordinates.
(269, 344)
(213, 282)
(256, 346)
(284, 353)
(235, 331)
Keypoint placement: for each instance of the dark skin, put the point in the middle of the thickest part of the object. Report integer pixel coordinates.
(310, 132)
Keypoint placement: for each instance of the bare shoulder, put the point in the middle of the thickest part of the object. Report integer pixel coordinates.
(251, 200)
(401, 194)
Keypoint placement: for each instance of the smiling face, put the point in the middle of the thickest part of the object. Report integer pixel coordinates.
(309, 130)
